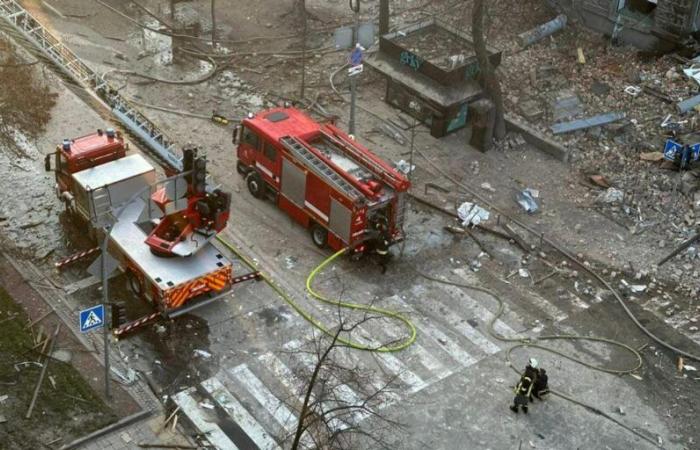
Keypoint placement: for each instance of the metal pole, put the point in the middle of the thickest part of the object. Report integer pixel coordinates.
(353, 82)
(303, 54)
(105, 301)
(416, 110)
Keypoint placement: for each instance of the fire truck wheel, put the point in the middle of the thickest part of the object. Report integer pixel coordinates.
(241, 168)
(255, 184)
(134, 284)
(319, 235)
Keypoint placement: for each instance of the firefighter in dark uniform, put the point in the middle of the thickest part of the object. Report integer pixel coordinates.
(382, 250)
(523, 392)
(382, 243)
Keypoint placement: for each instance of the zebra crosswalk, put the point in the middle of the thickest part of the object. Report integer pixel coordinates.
(257, 402)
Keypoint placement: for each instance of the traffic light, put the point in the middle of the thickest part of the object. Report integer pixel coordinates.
(199, 175)
(118, 310)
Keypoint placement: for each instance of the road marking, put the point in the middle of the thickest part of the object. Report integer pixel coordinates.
(543, 304)
(272, 405)
(239, 414)
(284, 375)
(211, 430)
(343, 392)
(443, 341)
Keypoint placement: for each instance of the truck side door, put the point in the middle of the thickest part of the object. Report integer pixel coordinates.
(249, 146)
(269, 164)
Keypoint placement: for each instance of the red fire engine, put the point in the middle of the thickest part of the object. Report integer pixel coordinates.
(324, 179)
(160, 236)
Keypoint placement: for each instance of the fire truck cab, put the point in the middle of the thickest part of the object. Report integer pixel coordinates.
(85, 152)
(323, 178)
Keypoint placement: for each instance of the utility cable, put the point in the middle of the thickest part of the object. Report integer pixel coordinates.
(394, 347)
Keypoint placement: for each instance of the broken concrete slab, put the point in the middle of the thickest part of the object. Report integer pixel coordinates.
(688, 104)
(581, 124)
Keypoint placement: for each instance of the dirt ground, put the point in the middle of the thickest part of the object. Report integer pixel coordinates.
(67, 406)
(613, 238)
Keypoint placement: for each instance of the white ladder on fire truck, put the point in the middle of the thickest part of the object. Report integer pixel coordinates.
(376, 168)
(64, 58)
(316, 164)
(102, 207)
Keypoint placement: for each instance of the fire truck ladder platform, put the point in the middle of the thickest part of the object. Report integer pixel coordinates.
(67, 61)
(317, 165)
(190, 306)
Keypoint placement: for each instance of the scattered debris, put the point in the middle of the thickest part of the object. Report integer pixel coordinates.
(634, 288)
(128, 379)
(472, 214)
(487, 187)
(546, 29)
(688, 104)
(289, 262)
(690, 368)
(203, 353)
(206, 404)
(594, 121)
(633, 90)
(526, 199)
(611, 195)
(404, 167)
(651, 156)
(600, 180)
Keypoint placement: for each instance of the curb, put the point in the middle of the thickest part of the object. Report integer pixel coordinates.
(537, 139)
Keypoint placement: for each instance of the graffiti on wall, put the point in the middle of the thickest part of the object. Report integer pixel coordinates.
(472, 71)
(411, 60)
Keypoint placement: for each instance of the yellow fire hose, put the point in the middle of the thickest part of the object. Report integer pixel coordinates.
(394, 347)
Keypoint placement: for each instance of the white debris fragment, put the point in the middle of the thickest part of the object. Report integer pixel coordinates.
(202, 353)
(524, 273)
(472, 214)
(206, 404)
(404, 167)
(487, 187)
(690, 368)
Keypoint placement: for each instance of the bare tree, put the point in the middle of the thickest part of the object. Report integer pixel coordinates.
(339, 394)
(25, 99)
(488, 76)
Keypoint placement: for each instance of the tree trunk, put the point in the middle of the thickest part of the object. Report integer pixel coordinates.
(489, 78)
(213, 24)
(383, 17)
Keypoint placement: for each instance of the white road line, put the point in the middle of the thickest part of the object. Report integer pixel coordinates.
(399, 370)
(239, 414)
(466, 302)
(272, 404)
(543, 304)
(214, 435)
(343, 392)
(293, 383)
(451, 347)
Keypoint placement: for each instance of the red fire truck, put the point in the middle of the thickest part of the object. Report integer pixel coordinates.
(323, 178)
(160, 232)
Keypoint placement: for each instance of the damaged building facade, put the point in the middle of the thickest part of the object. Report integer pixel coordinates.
(654, 25)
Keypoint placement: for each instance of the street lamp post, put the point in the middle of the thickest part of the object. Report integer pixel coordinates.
(353, 82)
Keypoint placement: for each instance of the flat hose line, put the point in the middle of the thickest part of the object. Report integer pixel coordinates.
(531, 342)
(569, 256)
(394, 347)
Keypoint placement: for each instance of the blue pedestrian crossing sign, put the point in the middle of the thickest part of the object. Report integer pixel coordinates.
(356, 56)
(671, 149)
(695, 151)
(92, 318)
